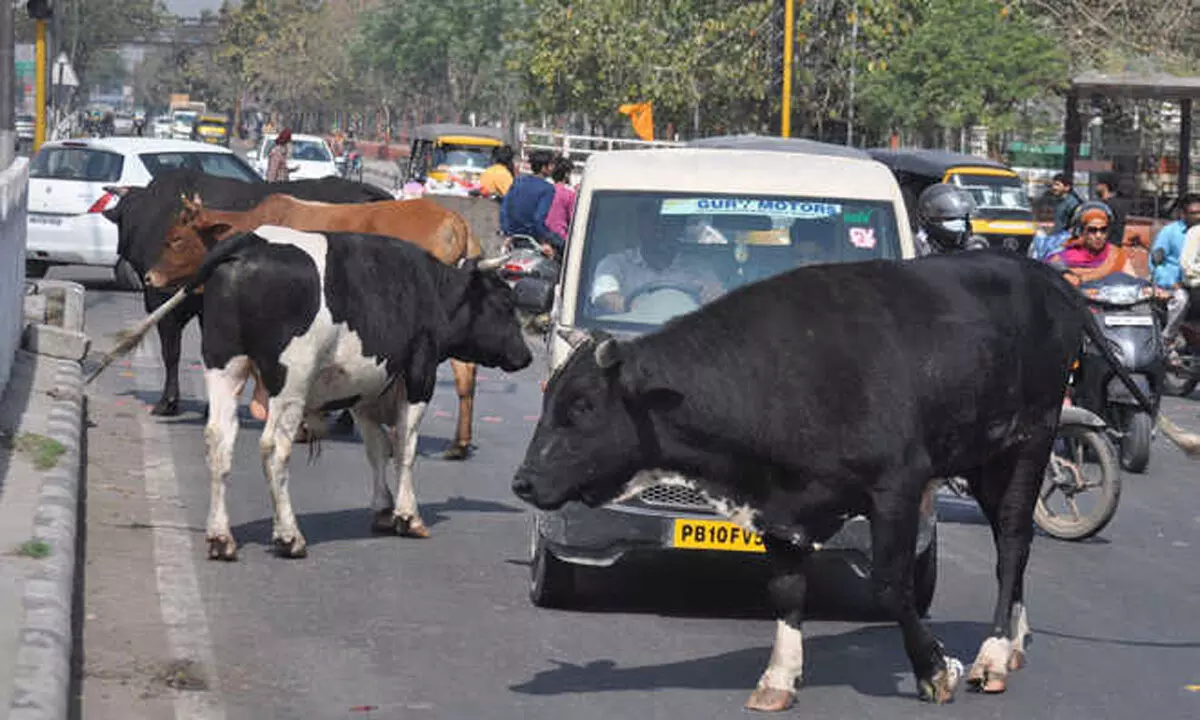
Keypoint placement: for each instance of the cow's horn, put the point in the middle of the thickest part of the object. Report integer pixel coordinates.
(573, 336)
(489, 264)
(1187, 441)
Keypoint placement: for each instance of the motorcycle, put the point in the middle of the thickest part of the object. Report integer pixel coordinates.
(350, 165)
(531, 274)
(1123, 306)
(1183, 365)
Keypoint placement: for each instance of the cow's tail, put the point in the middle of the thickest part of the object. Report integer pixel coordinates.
(132, 337)
(1187, 441)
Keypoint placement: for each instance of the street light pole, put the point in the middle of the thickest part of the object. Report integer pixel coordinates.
(789, 29)
(39, 83)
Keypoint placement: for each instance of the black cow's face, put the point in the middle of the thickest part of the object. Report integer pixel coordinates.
(596, 430)
(492, 335)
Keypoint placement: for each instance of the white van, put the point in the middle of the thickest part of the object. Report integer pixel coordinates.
(732, 211)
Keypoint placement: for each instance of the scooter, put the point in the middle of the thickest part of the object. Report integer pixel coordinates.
(1123, 306)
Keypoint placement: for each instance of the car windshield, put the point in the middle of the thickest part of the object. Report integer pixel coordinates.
(73, 163)
(462, 156)
(664, 254)
(995, 191)
(185, 117)
(218, 164)
(312, 150)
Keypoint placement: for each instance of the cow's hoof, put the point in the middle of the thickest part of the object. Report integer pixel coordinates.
(989, 672)
(295, 548)
(457, 451)
(770, 700)
(222, 547)
(383, 522)
(412, 527)
(940, 688)
(166, 408)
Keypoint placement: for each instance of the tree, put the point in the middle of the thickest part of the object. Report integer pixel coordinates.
(967, 62)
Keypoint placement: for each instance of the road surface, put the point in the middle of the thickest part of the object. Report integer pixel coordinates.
(370, 627)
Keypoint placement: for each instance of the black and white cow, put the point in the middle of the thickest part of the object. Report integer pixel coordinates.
(828, 392)
(339, 320)
(143, 216)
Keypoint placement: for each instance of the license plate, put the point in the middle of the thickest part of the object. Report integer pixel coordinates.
(1126, 320)
(715, 535)
(45, 219)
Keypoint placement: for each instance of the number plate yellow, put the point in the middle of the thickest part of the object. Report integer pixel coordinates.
(715, 535)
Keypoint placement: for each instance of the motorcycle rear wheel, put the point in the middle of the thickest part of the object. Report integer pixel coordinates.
(1089, 464)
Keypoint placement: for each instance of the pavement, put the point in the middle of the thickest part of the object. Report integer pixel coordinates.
(375, 627)
(42, 443)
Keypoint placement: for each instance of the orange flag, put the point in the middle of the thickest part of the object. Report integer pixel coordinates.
(642, 117)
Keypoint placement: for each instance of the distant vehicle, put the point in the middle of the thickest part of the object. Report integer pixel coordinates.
(67, 195)
(310, 155)
(24, 127)
(122, 123)
(182, 123)
(162, 127)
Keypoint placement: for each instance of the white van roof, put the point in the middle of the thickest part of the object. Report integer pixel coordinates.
(742, 172)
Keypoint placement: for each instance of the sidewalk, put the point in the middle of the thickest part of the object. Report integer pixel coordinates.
(41, 453)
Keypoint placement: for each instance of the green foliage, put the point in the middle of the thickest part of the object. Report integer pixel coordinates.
(967, 62)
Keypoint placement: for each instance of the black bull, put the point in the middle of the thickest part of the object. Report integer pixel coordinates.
(828, 392)
(144, 215)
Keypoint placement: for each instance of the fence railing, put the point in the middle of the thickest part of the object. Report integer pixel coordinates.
(14, 182)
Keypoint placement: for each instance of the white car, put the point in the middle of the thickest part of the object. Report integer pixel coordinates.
(311, 157)
(162, 127)
(182, 122)
(122, 123)
(67, 195)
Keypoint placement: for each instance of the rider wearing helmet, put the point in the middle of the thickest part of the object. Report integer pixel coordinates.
(1088, 256)
(944, 213)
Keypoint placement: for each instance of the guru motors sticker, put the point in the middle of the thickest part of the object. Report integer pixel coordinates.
(749, 206)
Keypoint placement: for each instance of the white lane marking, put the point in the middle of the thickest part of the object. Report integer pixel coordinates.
(179, 598)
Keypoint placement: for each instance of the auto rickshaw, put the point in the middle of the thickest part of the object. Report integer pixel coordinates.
(1004, 214)
(211, 129)
(445, 152)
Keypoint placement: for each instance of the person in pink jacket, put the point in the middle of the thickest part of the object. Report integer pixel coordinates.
(562, 207)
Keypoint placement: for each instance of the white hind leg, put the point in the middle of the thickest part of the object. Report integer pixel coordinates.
(284, 415)
(220, 433)
(408, 517)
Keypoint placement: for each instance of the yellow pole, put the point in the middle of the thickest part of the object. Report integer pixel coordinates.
(789, 27)
(39, 84)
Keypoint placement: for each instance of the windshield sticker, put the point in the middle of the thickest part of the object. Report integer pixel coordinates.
(746, 206)
(862, 237)
(858, 216)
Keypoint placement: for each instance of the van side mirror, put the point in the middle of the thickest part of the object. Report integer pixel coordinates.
(533, 294)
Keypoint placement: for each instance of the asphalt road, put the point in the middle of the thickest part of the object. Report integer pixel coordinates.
(369, 627)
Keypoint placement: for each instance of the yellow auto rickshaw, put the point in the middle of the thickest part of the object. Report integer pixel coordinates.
(447, 152)
(211, 129)
(1004, 215)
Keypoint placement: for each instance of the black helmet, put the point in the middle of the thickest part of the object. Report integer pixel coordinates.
(944, 212)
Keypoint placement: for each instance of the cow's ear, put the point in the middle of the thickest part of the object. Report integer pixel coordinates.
(608, 354)
(646, 384)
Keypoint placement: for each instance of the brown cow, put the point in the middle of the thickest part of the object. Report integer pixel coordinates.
(441, 232)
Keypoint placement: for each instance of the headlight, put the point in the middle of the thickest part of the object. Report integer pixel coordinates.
(1121, 294)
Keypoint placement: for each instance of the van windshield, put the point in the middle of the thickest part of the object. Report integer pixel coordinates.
(996, 192)
(652, 256)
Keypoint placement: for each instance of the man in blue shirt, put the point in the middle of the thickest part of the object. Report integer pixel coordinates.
(524, 208)
(1167, 274)
(1068, 200)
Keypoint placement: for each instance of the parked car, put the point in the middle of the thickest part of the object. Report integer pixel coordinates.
(741, 209)
(67, 195)
(311, 157)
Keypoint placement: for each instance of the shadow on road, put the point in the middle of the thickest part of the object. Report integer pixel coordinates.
(355, 524)
(869, 659)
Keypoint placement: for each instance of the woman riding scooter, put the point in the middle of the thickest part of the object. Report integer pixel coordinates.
(1088, 255)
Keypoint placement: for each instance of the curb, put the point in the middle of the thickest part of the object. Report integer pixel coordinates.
(42, 682)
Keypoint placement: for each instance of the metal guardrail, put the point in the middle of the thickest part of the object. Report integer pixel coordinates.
(14, 182)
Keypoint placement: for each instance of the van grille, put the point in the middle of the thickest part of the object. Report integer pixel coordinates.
(674, 496)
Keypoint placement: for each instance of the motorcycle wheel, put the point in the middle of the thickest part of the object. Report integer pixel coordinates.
(1088, 464)
(1135, 446)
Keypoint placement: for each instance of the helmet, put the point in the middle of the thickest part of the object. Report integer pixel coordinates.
(1088, 210)
(944, 212)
